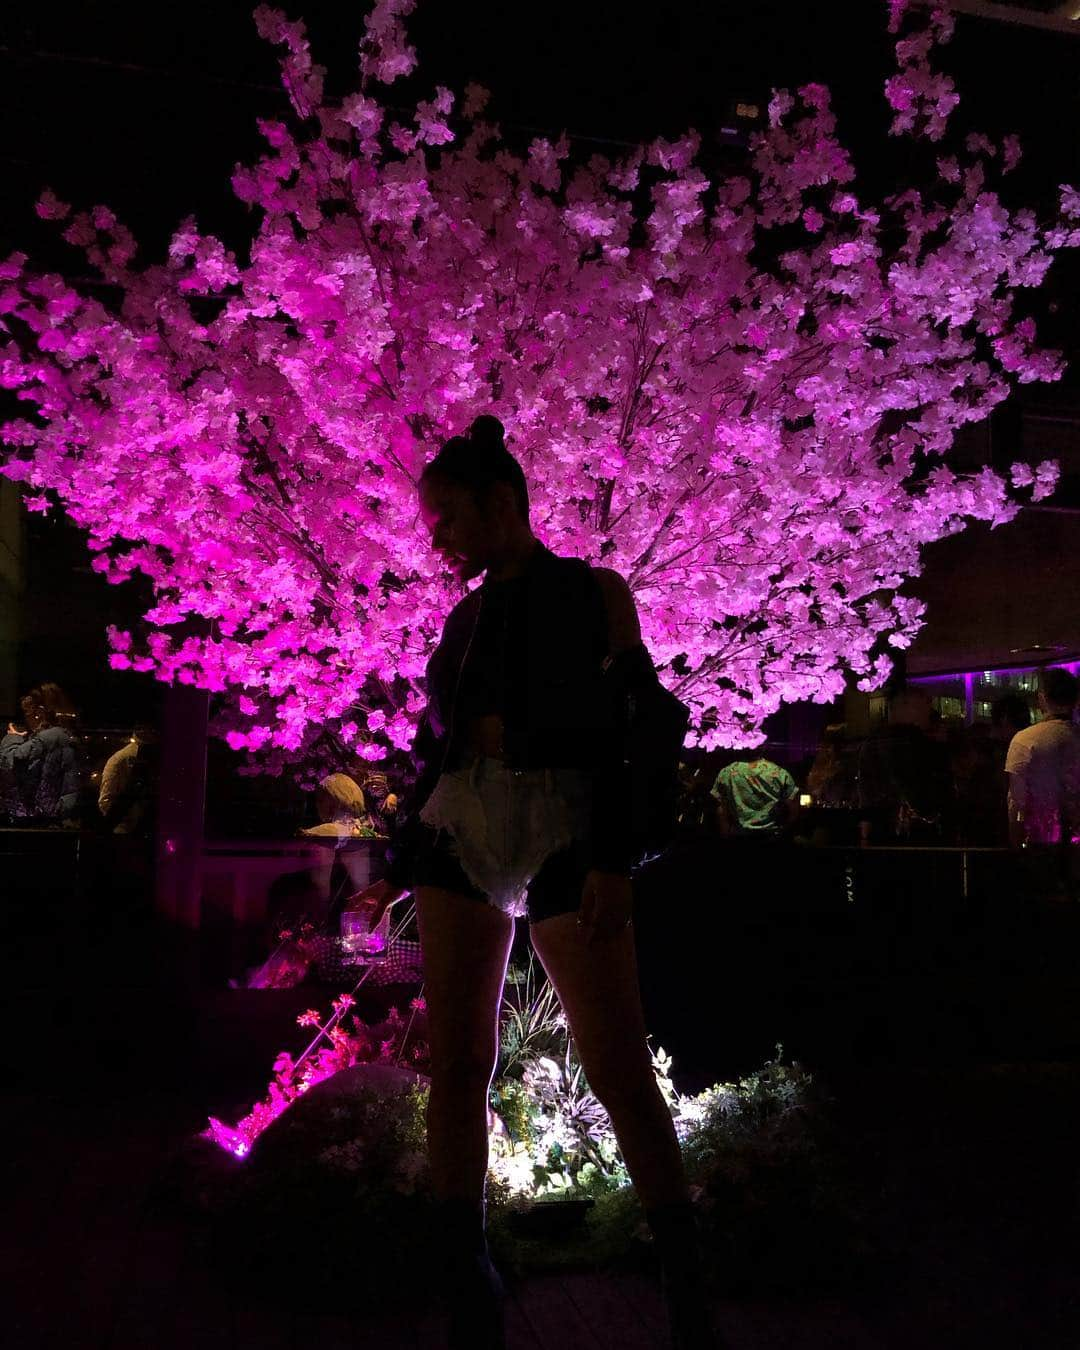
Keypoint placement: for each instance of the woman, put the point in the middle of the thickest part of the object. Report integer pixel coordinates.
(45, 761)
(519, 809)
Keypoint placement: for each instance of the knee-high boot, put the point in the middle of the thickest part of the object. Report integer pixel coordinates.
(471, 1285)
(678, 1244)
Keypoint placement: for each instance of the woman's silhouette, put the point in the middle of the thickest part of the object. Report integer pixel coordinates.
(517, 810)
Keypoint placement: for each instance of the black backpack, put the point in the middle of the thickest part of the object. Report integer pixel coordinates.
(653, 726)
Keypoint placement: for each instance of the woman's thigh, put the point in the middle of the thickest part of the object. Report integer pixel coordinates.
(466, 945)
(557, 886)
(598, 988)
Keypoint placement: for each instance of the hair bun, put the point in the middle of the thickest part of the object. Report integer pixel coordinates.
(487, 433)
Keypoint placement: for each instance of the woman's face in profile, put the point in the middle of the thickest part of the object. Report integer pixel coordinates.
(460, 532)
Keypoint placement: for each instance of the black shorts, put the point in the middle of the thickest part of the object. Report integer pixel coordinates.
(556, 888)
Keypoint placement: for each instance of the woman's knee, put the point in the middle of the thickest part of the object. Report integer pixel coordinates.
(624, 1086)
(467, 1067)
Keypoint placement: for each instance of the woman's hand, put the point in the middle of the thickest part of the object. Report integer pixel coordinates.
(380, 895)
(13, 730)
(607, 905)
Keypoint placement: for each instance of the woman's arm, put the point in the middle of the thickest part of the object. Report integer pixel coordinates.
(26, 753)
(611, 810)
(404, 825)
(624, 627)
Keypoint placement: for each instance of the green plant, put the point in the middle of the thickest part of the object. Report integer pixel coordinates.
(531, 1021)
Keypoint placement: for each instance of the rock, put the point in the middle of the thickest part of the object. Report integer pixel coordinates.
(326, 1113)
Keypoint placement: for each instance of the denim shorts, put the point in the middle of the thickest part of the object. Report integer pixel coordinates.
(513, 839)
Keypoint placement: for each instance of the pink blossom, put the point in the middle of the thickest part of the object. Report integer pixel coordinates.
(362, 113)
(813, 220)
(815, 96)
(384, 53)
(431, 119)
(845, 254)
(255, 459)
(897, 10)
(475, 101)
(1011, 153)
(50, 207)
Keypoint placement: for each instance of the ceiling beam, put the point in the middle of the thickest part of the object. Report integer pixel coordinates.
(1064, 19)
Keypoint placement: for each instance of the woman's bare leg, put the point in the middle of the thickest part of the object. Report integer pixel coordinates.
(598, 988)
(466, 945)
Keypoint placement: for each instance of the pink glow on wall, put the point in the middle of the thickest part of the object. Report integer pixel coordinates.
(971, 675)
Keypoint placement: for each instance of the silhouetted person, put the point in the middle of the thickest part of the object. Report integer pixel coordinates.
(831, 780)
(978, 770)
(904, 781)
(1008, 714)
(697, 809)
(522, 807)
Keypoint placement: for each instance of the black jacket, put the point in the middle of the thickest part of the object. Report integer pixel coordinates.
(564, 704)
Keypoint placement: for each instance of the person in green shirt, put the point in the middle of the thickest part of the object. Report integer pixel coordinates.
(755, 798)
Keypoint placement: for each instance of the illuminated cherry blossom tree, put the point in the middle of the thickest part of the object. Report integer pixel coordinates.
(737, 391)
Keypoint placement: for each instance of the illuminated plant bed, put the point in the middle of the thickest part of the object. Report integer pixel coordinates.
(328, 1185)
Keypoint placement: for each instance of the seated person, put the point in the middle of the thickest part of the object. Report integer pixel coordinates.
(381, 802)
(342, 810)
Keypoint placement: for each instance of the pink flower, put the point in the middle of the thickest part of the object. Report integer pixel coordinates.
(244, 431)
(1011, 153)
(756, 335)
(845, 254)
(813, 220)
(50, 207)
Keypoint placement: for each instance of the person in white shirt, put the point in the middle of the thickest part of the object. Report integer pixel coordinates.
(1043, 770)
